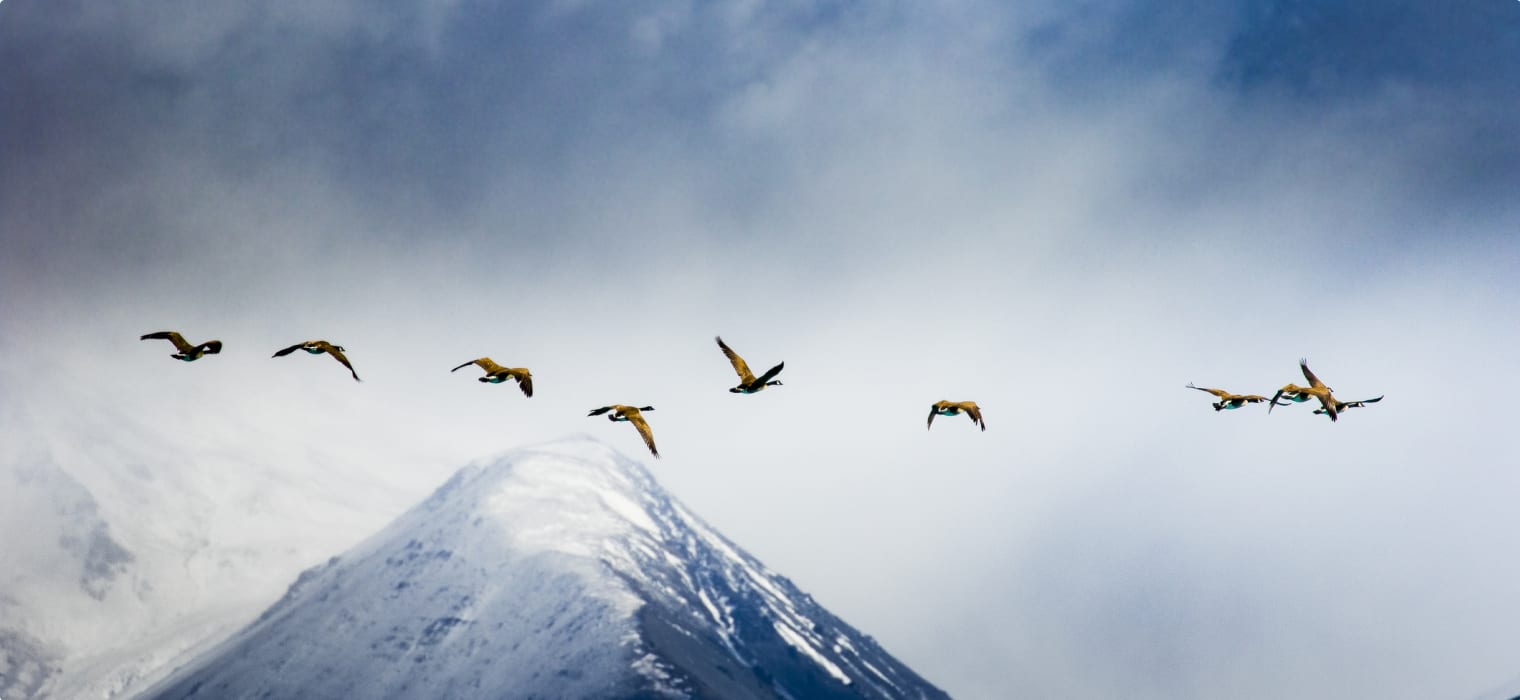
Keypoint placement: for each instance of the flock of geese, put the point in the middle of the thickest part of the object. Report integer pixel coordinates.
(497, 374)
(750, 384)
(1291, 393)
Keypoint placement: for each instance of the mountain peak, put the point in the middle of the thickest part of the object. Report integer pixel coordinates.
(555, 570)
(572, 496)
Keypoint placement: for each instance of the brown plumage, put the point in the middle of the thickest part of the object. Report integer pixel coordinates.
(748, 382)
(1316, 389)
(317, 347)
(950, 408)
(496, 374)
(1228, 401)
(187, 352)
(629, 414)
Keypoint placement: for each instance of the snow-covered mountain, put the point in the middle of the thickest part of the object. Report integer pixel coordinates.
(556, 571)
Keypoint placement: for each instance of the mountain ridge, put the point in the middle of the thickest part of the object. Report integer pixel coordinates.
(555, 570)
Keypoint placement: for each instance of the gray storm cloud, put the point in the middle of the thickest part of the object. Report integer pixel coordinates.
(1065, 213)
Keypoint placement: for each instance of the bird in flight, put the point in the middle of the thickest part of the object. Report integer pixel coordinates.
(317, 347)
(1228, 401)
(955, 408)
(1343, 405)
(629, 414)
(496, 374)
(748, 382)
(187, 352)
(1316, 389)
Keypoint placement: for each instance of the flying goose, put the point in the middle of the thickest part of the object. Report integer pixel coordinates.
(1316, 389)
(1343, 405)
(317, 347)
(621, 413)
(187, 352)
(951, 408)
(1228, 401)
(496, 374)
(748, 382)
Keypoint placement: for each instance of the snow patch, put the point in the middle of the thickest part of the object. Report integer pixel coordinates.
(803, 646)
(649, 666)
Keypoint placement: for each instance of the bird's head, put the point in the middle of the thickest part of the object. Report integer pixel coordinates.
(773, 382)
(646, 408)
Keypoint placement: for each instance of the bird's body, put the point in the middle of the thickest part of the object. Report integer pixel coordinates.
(955, 408)
(629, 414)
(1228, 401)
(187, 352)
(748, 382)
(317, 347)
(1341, 406)
(496, 374)
(1316, 389)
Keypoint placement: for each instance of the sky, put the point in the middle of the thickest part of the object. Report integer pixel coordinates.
(1065, 211)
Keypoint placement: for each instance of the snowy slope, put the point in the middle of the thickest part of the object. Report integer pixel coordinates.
(561, 570)
(138, 534)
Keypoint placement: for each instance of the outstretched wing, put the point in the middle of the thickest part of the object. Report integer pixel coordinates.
(975, 412)
(1314, 382)
(599, 411)
(933, 411)
(1274, 399)
(638, 422)
(1343, 405)
(484, 363)
(338, 355)
(1217, 392)
(524, 382)
(745, 376)
(173, 337)
(210, 347)
(287, 351)
(770, 374)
